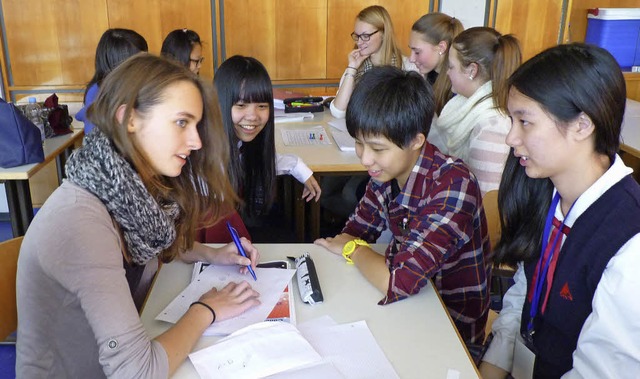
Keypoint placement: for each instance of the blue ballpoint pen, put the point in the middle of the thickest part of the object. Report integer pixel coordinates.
(236, 240)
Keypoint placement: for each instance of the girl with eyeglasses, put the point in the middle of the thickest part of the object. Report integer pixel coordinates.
(184, 46)
(376, 45)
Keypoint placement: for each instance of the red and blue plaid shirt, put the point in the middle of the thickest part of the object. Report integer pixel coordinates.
(440, 233)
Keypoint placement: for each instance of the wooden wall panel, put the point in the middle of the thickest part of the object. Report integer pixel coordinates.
(342, 14)
(289, 38)
(249, 29)
(3, 71)
(154, 19)
(535, 23)
(52, 43)
(301, 39)
(633, 85)
(404, 14)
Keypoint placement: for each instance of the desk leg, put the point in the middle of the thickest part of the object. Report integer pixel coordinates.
(299, 212)
(287, 199)
(61, 161)
(315, 221)
(20, 206)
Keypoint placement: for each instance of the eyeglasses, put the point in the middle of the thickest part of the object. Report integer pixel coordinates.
(364, 36)
(197, 61)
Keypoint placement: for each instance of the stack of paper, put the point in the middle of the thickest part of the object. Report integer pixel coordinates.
(319, 348)
(257, 351)
(342, 137)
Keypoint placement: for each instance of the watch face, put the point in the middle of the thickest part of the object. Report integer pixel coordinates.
(349, 247)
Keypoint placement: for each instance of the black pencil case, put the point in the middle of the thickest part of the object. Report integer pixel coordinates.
(303, 104)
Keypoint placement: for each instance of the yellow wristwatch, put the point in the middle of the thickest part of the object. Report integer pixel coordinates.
(350, 247)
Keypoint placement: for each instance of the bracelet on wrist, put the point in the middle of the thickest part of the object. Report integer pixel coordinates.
(355, 68)
(213, 313)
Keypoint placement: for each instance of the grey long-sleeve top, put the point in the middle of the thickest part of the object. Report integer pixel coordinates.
(76, 314)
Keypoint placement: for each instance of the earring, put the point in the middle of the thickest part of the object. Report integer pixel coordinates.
(470, 77)
(440, 52)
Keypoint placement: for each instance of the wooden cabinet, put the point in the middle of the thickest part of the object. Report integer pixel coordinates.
(577, 28)
(289, 37)
(154, 19)
(541, 24)
(49, 45)
(536, 24)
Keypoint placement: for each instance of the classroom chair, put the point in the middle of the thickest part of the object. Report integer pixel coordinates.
(8, 266)
(502, 275)
(8, 313)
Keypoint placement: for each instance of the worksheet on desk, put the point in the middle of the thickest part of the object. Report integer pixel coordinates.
(269, 285)
(314, 135)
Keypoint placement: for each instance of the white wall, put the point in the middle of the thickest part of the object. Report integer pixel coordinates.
(470, 12)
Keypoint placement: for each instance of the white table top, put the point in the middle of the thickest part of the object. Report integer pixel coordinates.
(416, 334)
(319, 158)
(631, 128)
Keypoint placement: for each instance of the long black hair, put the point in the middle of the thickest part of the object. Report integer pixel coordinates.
(178, 44)
(566, 81)
(114, 47)
(252, 170)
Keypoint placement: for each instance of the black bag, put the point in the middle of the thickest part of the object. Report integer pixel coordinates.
(20, 139)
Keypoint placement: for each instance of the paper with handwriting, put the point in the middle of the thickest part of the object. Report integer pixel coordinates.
(257, 351)
(270, 284)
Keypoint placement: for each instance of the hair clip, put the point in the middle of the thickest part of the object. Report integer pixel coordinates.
(185, 30)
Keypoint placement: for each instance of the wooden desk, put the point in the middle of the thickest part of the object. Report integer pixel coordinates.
(416, 334)
(631, 129)
(323, 160)
(16, 179)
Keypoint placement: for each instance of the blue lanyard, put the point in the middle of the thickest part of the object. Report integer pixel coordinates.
(544, 268)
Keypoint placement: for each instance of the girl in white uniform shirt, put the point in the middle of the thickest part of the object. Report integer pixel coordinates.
(573, 310)
(246, 101)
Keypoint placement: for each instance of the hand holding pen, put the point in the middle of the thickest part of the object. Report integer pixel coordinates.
(241, 251)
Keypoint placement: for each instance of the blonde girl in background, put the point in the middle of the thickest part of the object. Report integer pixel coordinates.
(376, 45)
(429, 41)
(471, 125)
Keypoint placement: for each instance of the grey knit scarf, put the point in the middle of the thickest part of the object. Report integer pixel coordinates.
(147, 226)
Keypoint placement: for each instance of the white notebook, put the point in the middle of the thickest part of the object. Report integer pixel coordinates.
(344, 141)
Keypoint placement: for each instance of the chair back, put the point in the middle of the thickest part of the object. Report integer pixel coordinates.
(8, 267)
(490, 203)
